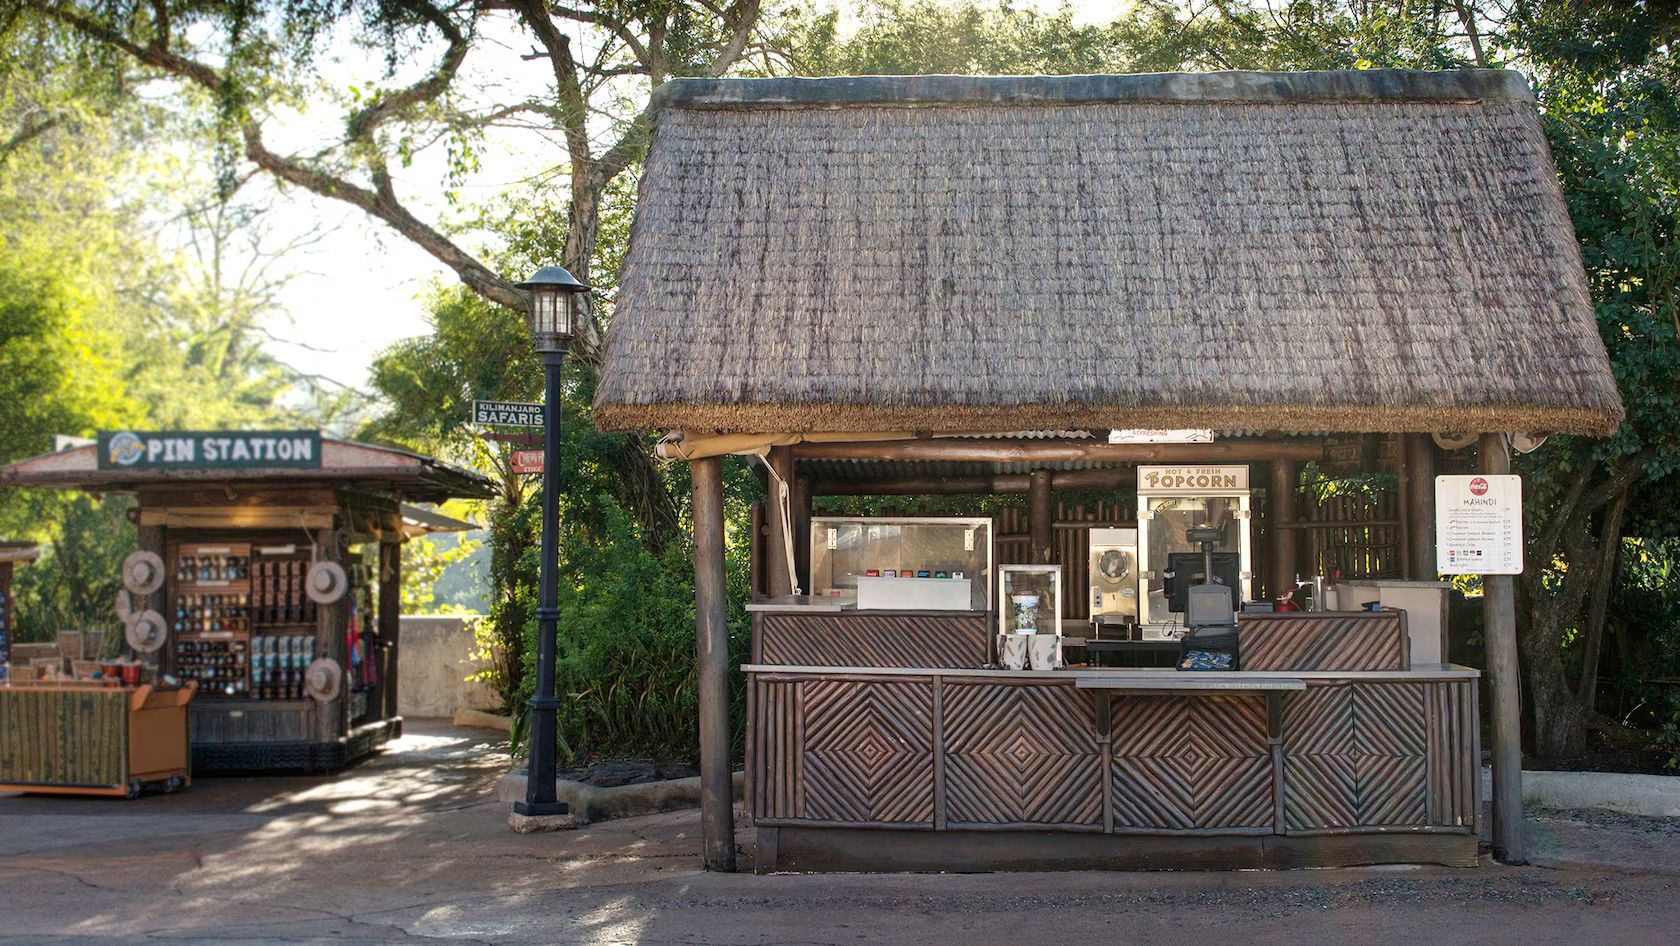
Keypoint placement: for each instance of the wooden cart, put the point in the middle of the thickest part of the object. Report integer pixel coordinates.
(86, 739)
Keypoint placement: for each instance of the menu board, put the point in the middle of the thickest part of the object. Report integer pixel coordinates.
(1478, 525)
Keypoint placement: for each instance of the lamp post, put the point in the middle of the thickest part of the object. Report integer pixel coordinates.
(557, 302)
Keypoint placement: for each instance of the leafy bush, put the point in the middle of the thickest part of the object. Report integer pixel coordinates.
(626, 664)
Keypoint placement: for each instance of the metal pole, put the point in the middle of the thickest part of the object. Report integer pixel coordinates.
(717, 807)
(1499, 622)
(540, 772)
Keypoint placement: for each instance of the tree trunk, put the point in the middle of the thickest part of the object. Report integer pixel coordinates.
(1592, 642)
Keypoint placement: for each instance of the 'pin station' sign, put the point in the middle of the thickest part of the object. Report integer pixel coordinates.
(209, 450)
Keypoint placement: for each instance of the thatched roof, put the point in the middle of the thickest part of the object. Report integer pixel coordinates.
(1361, 251)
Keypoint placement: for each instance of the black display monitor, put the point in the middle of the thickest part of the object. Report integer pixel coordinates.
(1185, 569)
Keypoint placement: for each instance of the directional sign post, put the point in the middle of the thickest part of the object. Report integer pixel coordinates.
(527, 461)
(508, 413)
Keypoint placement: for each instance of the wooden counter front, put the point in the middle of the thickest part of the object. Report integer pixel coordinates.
(1249, 777)
(851, 638)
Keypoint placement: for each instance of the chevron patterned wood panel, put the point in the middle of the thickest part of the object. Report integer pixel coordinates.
(1323, 641)
(1184, 763)
(1378, 755)
(870, 640)
(1019, 754)
(866, 751)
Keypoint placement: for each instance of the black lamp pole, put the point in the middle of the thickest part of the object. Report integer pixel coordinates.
(556, 302)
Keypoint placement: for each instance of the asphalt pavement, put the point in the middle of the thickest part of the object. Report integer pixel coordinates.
(410, 846)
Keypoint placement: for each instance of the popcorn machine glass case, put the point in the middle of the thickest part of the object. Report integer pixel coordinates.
(1173, 500)
(908, 564)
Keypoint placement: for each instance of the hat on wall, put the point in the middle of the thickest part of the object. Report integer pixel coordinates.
(146, 632)
(142, 572)
(326, 582)
(322, 679)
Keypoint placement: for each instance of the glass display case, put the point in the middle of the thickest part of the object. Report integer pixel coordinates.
(907, 564)
(1029, 617)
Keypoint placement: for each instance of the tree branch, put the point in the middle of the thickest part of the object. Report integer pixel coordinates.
(152, 55)
(383, 204)
(746, 17)
(25, 135)
(573, 108)
(361, 124)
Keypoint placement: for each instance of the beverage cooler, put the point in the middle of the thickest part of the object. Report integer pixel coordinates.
(919, 564)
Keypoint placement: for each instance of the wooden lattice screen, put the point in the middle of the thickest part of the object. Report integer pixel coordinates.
(1356, 536)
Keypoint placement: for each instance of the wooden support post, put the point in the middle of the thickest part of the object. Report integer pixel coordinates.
(1419, 508)
(390, 627)
(777, 548)
(802, 533)
(1286, 476)
(1499, 622)
(1040, 517)
(1403, 499)
(332, 621)
(717, 809)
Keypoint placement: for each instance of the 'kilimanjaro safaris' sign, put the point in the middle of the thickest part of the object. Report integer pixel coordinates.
(511, 413)
(210, 450)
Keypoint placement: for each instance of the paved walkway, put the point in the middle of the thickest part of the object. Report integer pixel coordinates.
(409, 847)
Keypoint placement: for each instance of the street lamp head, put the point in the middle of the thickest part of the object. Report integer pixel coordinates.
(557, 304)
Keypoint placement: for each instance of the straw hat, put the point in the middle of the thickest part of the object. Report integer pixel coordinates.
(326, 582)
(322, 679)
(142, 572)
(146, 632)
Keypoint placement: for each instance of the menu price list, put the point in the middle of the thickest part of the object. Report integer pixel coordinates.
(1478, 525)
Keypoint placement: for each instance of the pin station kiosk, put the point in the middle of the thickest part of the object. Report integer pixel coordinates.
(281, 572)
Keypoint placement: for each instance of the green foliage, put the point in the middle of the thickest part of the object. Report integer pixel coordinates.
(424, 560)
(923, 37)
(626, 663)
(75, 583)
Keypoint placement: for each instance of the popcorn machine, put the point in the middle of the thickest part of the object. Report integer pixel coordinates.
(1171, 502)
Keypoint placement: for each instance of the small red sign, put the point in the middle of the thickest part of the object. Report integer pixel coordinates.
(527, 461)
(1478, 486)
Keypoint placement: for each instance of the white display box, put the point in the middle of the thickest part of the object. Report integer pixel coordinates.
(913, 594)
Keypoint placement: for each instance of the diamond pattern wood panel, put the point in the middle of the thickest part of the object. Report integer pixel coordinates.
(869, 640)
(1019, 754)
(867, 753)
(1372, 641)
(1357, 755)
(1191, 763)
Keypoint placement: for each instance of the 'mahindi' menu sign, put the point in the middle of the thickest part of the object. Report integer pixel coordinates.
(1191, 480)
(210, 450)
(1479, 525)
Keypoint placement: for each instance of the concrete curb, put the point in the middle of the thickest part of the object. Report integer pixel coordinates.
(1654, 796)
(592, 804)
(479, 719)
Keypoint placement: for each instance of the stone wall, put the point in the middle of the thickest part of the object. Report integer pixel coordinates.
(436, 659)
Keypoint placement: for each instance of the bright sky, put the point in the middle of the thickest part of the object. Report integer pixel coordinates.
(358, 292)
